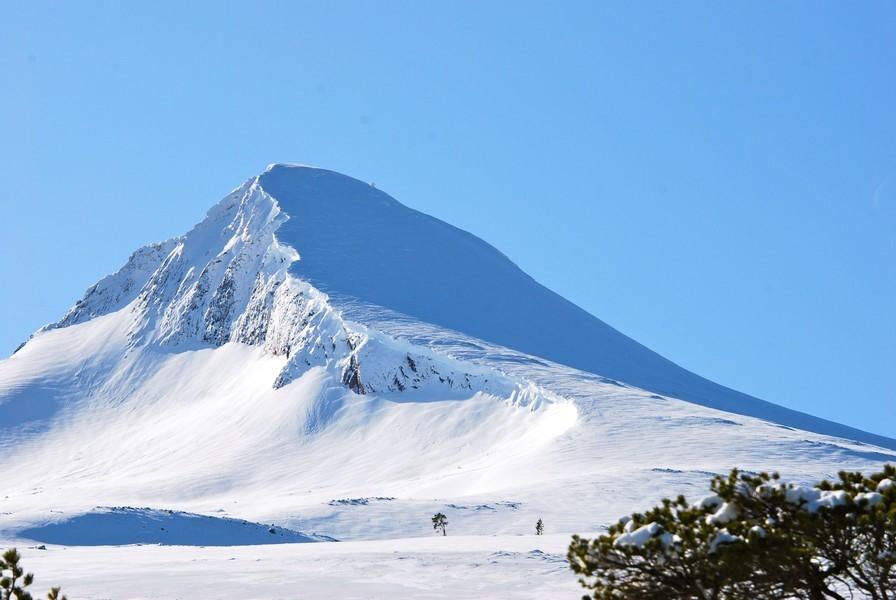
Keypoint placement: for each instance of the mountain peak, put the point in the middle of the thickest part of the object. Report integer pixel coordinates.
(346, 253)
(286, 165)
(307, 189)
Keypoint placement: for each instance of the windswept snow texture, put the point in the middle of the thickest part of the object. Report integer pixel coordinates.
(316, 359)
(357, 241)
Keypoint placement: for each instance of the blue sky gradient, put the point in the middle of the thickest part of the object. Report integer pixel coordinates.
(716, 181)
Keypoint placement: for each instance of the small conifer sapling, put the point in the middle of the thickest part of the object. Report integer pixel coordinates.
(14, 580)
(440, 522)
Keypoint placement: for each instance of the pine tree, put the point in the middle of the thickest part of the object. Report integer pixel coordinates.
(440, 522)
(539, 527)
(754, 537)
(14, 580)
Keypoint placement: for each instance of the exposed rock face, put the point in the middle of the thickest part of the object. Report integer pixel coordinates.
(228, 280)
(117, 290)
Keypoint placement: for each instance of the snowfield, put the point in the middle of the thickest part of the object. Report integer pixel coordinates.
(523, 567)
(316, 361)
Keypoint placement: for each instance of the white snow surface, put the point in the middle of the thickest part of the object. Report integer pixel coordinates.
(723, 537)
(638, 537)
(726, 513)
(214, 380)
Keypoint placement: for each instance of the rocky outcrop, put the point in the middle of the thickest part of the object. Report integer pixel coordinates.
(228, 281)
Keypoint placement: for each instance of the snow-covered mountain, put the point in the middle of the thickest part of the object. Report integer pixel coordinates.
(316, 356)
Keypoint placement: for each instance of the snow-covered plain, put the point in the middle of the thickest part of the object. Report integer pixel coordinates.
(299, 366)
(522, 567)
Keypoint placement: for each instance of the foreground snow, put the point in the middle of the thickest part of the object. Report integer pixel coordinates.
(512, 567)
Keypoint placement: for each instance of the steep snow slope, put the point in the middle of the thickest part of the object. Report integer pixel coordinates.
(316, 357)
(359, 243)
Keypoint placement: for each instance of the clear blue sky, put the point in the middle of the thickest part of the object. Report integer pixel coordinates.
(717, 180)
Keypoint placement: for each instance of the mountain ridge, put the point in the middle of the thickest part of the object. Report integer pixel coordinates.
(355, 243)
(243, 294)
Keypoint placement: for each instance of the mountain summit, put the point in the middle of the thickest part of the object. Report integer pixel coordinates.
(313, 347)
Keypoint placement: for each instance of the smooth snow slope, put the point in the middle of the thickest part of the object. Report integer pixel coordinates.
(358, 243)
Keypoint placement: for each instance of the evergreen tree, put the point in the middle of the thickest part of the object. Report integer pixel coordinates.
(754, 537)
(539, 527)
(440, 522)
(14, 580)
